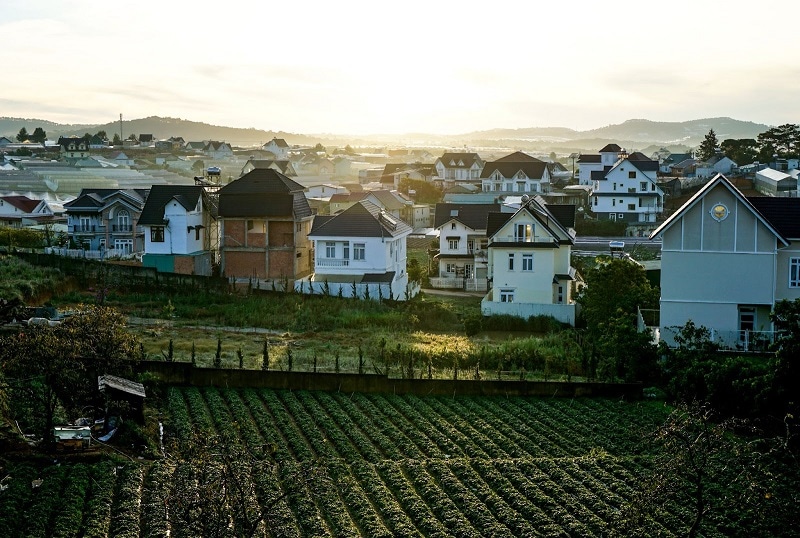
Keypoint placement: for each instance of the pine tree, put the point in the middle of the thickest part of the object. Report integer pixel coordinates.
(708, 147)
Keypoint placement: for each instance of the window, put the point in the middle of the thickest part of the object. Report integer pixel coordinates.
(471, 246)
(527, 262)
(632, 175)
(452, 244)
(643, 186)
(631, 207)
(506, 296)
(560, 298)
(523, 232)
(299, 227)
(794, 272)
(511, 262)
(615, 186)
(653, 187)
(346, 251)
(359, 251)
(330, 250)
(123, 221)
(613, 202)
(157, 234)
(453, 226)
(595, 200)
(450, 268)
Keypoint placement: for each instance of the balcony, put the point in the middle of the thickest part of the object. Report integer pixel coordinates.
(332, 262)
(85, 228)
(542, 240)
(122, 228)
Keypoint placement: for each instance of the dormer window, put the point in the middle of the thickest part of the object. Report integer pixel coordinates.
(460, 163)
(72, 147)
(497, 175)
(452, 163)
(521, 175)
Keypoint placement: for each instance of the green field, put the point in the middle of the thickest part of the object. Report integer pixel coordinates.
(296, 463)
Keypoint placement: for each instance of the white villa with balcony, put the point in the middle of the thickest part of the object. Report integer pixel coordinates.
(529, 262)
(518, 173)
(362, 248)
(106, 220)
(628, 192)
(462, 256)
(455, 168)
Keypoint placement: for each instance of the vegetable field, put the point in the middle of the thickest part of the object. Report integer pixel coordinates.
(282, 463)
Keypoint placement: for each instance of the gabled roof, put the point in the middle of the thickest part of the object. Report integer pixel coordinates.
(23, 203)
(97, 198)
(261, 193)
(363, 219)
(719, 179)
(161, 195)
(393, 169)
(473, 216)
(639, 156)
(459, 160)
(284, 165)
(518, 157)
(642, 166)
(214, 145)
(145, 137)
(611, 148)
(588, 159)
(673, 158)
(531, 169)
(542, 214)
(280, 142)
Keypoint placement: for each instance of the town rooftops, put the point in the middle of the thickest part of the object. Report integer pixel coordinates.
(23, 203)
(363, 219)
(509, 169)
(263, 192)
(459, 160)
(518, 157)
(611, 148)
(472, 216)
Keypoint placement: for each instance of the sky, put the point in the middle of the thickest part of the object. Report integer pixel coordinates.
(366, 67)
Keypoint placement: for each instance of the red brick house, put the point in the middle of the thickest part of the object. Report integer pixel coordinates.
(264, 224)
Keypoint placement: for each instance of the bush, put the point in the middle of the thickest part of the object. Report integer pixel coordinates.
(472, 325)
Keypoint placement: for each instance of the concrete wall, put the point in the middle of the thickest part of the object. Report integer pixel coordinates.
(181, 373)
(565, 313)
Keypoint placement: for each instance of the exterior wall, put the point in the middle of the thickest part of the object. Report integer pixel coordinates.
(398, 290)
(244, 264)
(177, 240)
(585, 172)
(621, 194)
(565, 313)
(782, 289)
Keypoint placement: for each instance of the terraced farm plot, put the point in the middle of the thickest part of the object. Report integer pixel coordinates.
(330, 464)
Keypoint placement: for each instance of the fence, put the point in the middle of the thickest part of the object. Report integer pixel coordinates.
(744, 341)
(181, 373)
(105, 254)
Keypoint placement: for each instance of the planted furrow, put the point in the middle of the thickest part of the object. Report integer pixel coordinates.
(445, 509)
(257, 445)
(560, 431)
(342, 420)
(403, 446)
(300, 495)
(502, 511)
(199, 412)
(445, 444)
(381, 496)
(538, 441)
(362, 508)
(413, 504)
(467, 503)
(428, 448)
(69, 515)
(45, 502)
(510, 440)
(180, 421)
(277, 516)
(298, 443)
(155, 504)
(310, 429)
(127, 502)
(366, 425)
(465, 426)
(547, 437)
(15, 498)
(276, 442)
(328, 426)
(97, 512)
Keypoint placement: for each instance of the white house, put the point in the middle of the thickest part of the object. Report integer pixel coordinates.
(363, 247)
(176, 225)
(218, 150)
(462, 257)
(74, 147)
(278, 147)
(18, 211)
(325, 190)
(771, 182)
(455, 168)
(725, 260)
(529, 262)
(628, 192)
(516, 173)
(590, 165)
(718, 164)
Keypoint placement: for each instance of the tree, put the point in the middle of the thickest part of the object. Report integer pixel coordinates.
(22, 136)
(426, 192)
(786, 317)
(319, 148)
(199, 166)
(38, 136)
(101, 135)
(783, 141)
(742, 151)
(49, 367)
(116, 141)
(708, 147)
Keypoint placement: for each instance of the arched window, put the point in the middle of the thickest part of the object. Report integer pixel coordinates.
(123, 220)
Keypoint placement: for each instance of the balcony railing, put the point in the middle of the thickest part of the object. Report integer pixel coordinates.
(85, 228)
(522, 239)
(332, 262)
(122, 228)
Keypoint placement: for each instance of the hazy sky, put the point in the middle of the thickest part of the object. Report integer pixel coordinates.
(360, 67)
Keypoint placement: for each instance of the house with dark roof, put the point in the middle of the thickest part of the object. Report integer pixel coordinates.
(726, 259)
(177, 224)
(147, 140)
(107, 220)
(393, 202)
(517, 173)
(18, 211)
(73, 147)
(218, 150)
(670, 159)
(462, 257)
(278, 147)
(529, 262)
(453, 168)
(628, 192)
(362, 248)
(602, 161)
(264, 224)
(394, 173)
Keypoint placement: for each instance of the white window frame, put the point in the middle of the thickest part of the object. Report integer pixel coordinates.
(359, 251)
(330, 249)
(452, 244)
(794, 272)
(506, 295)
(527, 262)
(511, 261)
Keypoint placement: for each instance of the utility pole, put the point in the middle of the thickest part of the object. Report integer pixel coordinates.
(120, 129)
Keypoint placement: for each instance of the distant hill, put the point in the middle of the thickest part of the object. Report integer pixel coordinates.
(631, 134)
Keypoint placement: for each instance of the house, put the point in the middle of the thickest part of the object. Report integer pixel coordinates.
(177, 220)
(462, 256)
(666, 163)
(324, 190)
(73, 147)
(725, 260)
(97, 142)
(393, 202)
(516, 173)
(120, 158)
(147, 140)
(19, 211)
(195, 147)
(218, 150)
(684, 168)
(529, 255)
(278, 147)
(718, 164)
(393, 174)
(284, 167)
(264, 224)
(591, 164)
(453, 168)
(361, 248)
(627, 192)
(105, 219)
(5, 141)
(772, 182)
